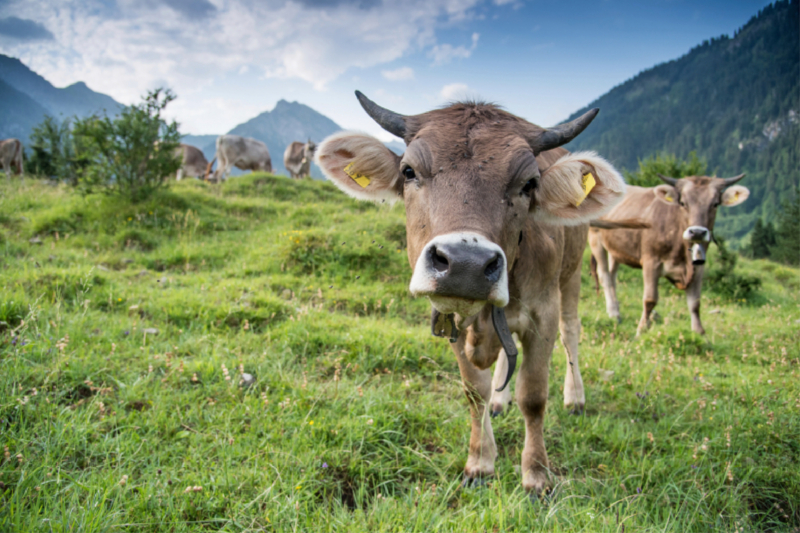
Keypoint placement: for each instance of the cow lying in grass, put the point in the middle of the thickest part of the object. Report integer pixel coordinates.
(496, 220)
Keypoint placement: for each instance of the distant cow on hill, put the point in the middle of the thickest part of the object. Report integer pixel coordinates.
(11, 155)
(193, 162)
(242, 152)
(681, 215)
(297, 158)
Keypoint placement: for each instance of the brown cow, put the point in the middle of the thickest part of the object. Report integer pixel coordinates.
(11, 156)
(193, 162)
(496, 225)
(242, 152)
(297, 158)
(681, 216)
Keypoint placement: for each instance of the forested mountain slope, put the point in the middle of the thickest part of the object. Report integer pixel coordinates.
(733, 100)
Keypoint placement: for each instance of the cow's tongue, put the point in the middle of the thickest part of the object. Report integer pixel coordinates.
(445, 326)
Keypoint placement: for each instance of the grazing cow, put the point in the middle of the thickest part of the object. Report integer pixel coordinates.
(496, 224)
(681, 216)
(242, 152)
(11, 155)
(297, 158)
(193, 162)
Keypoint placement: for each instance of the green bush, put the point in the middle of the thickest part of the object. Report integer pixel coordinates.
(666, 165)
(57, 153)
(132, 154)
(727, 283)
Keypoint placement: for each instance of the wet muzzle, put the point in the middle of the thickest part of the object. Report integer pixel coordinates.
(698, 254)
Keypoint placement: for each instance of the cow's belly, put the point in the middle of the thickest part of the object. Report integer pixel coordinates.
(624, 248)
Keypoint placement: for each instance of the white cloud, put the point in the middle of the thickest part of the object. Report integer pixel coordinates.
(122, 48)
(400, 74)
(445, 53)
(454, 91)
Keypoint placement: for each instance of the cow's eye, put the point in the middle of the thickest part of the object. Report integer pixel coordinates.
(529, 186)
(409, 174)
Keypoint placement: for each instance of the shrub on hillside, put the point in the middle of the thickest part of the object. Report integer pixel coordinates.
(666, 165)
(131, 154)
(787, 234)
(57, 153)
(729, 284)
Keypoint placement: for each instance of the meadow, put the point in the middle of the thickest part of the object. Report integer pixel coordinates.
(125, 330)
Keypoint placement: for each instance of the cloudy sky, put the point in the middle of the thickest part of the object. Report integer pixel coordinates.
(228, 60)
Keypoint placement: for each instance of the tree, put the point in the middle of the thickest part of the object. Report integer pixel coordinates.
(132, 154)
(787, 233)
(762, 240)
(57, 153)
(667, 165)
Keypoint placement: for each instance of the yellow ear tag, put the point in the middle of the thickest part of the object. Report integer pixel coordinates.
(587, 183)
(669, 198)
(358, 178)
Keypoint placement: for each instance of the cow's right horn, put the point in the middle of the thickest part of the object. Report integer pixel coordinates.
(668, 180)
(388, 120)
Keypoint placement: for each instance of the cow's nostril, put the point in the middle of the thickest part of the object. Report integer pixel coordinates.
(439, 261)
(492, 271)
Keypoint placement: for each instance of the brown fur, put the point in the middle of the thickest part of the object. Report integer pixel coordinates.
(11, 157)
(660, 250)
(472, 162)
(297, 159)
(193, 162)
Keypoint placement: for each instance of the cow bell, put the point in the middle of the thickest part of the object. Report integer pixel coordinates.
(698, 254)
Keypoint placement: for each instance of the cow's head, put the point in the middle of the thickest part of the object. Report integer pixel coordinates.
(308, 151)
(698, 198)
(469, 180)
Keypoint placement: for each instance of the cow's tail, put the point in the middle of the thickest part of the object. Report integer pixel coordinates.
(595, 277)
(628, 223)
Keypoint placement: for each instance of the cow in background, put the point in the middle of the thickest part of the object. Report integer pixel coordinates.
(681, 215)
(240, 152)
(496, 223)
(11, 156)
(297, 158)
(193, 162)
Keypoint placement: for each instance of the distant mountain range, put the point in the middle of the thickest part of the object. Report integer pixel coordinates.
(735, 101)
(26, 97)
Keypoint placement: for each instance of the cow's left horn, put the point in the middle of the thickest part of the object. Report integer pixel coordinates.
(388, 120)
(564, 133)
(668, 180)
(727, 182)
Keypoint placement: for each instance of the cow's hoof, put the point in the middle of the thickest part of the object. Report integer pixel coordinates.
(576, 409)
(536, 481)
(474, 482)
(497, 409)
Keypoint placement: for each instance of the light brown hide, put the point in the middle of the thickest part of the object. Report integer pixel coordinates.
(193, 162)
(297, 159)
(472, 163)
(661, 249)
(11, 157)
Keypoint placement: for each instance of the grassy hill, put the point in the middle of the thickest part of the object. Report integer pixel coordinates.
(124, 330)
(733, 100)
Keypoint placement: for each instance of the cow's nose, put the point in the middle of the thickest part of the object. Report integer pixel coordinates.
(697, 233)
(465, 271)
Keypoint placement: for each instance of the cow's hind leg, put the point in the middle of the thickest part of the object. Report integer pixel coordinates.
(500, 400)
(531, 392)
(606, 272)
(482, 449)
(570, 326)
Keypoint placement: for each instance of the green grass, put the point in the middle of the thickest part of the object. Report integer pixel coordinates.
(356, 421)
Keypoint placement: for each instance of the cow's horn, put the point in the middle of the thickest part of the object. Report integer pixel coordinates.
(388, 120)
(564, 133)
(727, 182)
(666, 179)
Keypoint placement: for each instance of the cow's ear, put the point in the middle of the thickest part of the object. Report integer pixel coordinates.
(361, 166)
(734, 195)
(577, 188)
(667, 194)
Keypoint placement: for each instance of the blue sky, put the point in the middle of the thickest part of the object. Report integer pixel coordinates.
(228, 60)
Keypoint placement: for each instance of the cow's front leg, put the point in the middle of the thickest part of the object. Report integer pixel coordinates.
(606, 273)
(531, 392)
(477, 386)
(500, 400)
(650, 274)
(693, 299)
